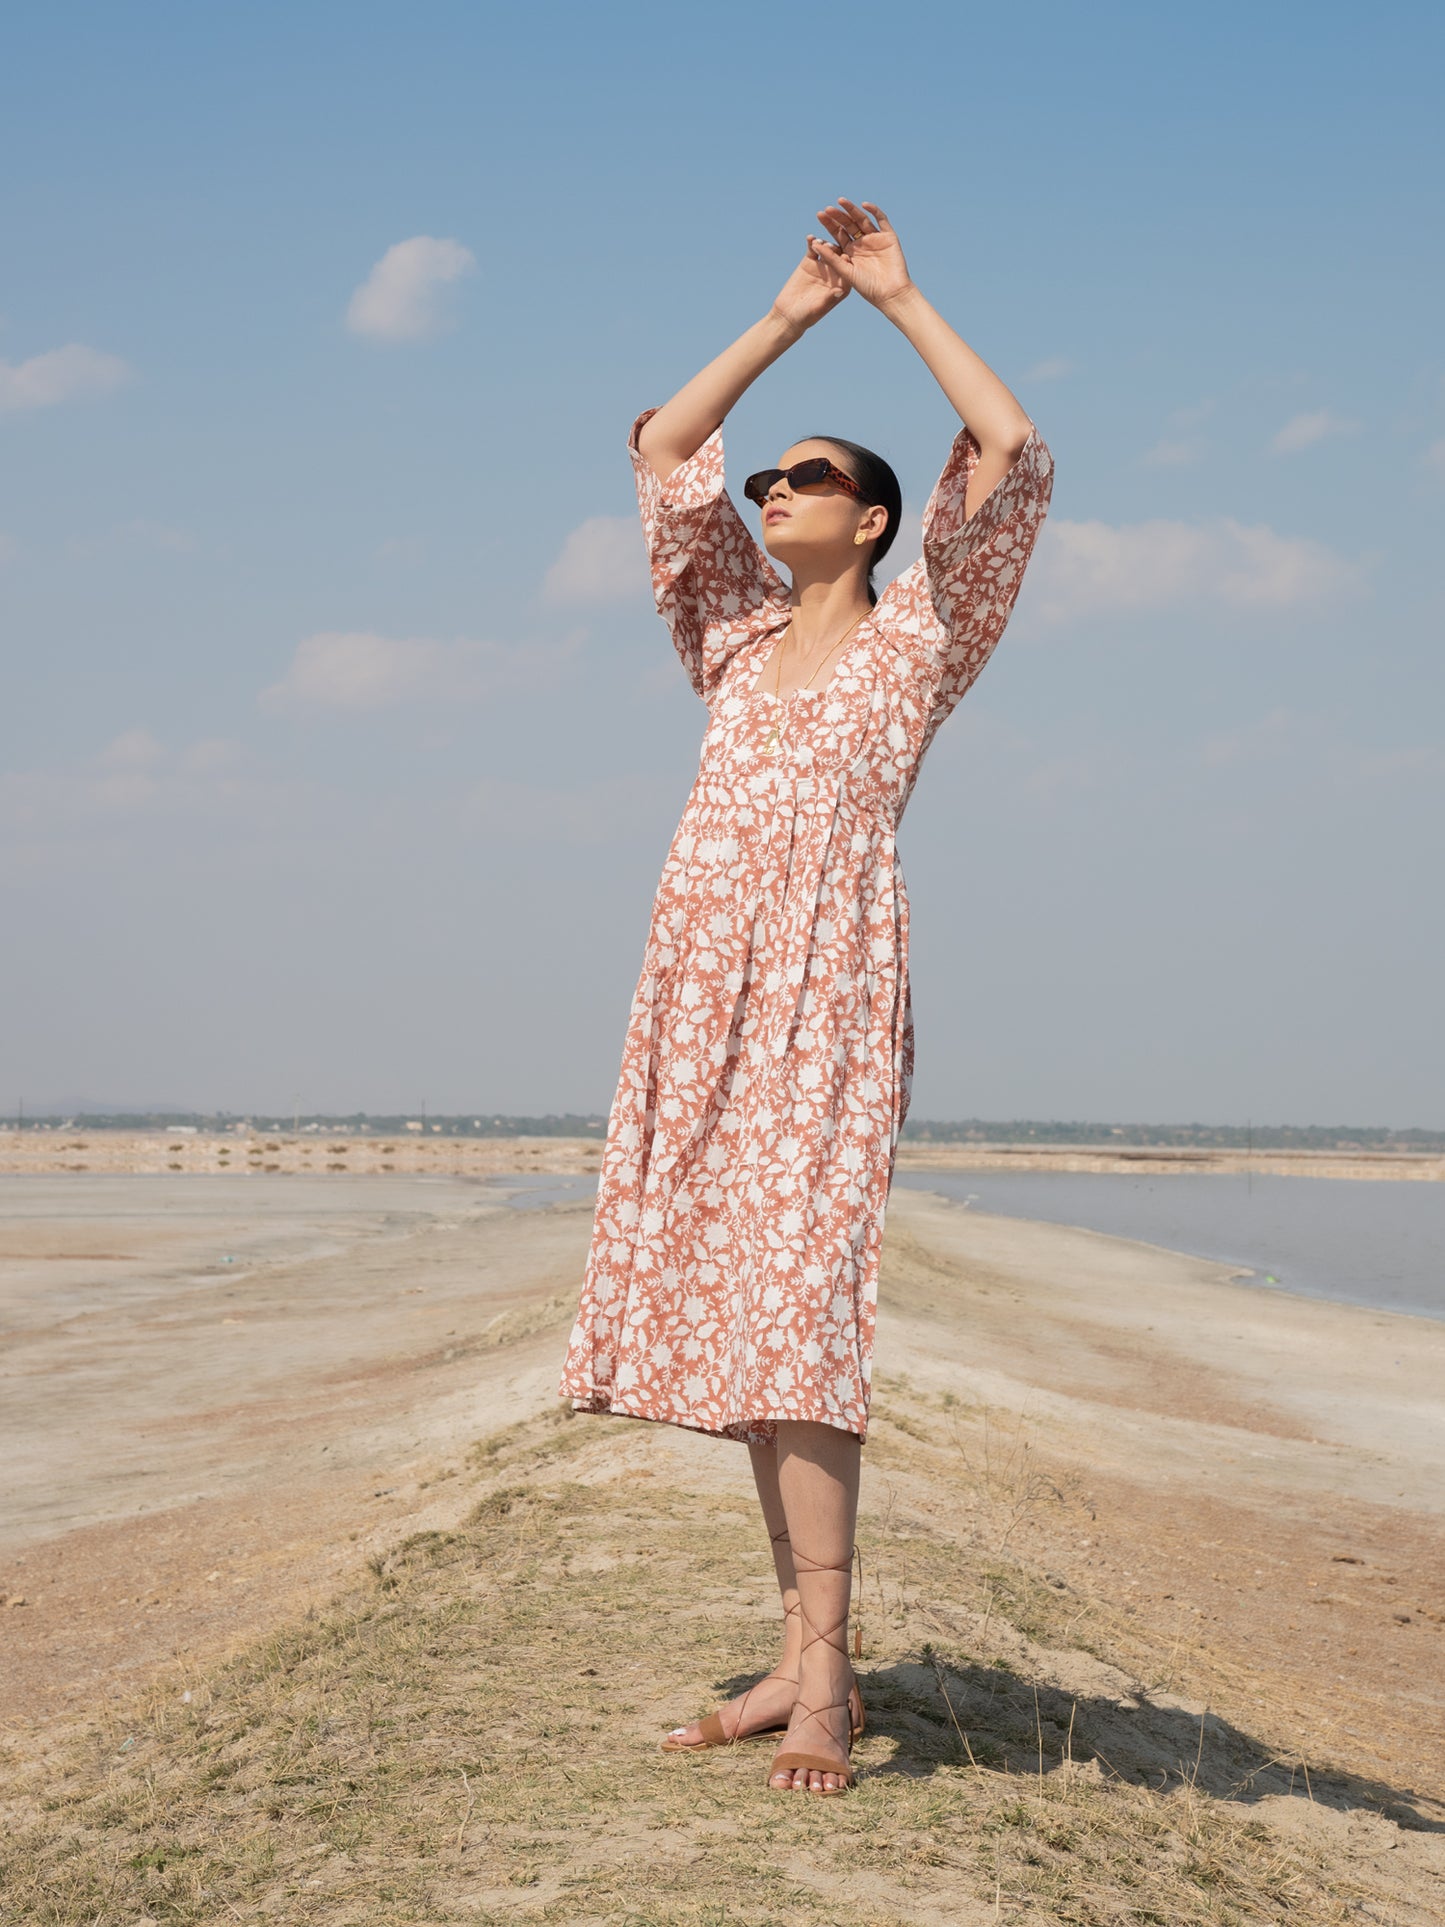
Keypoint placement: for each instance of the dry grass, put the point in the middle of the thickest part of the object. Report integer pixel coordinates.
(471, 1733)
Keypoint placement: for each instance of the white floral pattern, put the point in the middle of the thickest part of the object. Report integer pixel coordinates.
(732, 1278)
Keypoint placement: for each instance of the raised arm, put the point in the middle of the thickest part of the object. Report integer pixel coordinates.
(866, 252)
(681, 426)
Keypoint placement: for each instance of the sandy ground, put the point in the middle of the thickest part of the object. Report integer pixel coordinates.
(218, 1399)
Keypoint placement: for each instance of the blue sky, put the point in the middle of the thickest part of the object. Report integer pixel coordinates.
(341, 746)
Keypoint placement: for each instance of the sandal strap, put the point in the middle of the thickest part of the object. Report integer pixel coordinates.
(817, 1712)
(792, 1761)
(729, 1739)
(803, 1565)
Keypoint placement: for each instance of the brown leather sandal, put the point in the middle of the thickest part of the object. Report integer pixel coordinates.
(795, 1761)
(714, 1733)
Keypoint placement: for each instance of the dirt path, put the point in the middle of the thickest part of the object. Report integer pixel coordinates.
(1201, 1523)
(214, 1404)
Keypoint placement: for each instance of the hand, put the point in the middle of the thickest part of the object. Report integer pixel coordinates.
(864, 250)
(814, 286)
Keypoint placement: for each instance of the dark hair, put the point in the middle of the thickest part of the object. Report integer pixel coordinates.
(880, 490)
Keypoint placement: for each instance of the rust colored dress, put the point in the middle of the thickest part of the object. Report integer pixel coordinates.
(732, 1279)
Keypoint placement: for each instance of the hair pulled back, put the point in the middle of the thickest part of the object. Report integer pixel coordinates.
(880, 490)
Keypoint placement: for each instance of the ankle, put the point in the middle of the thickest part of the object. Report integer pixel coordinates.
(824, 1666)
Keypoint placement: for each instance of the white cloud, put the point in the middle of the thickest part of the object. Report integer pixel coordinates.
(1051, 368)
(603, 560)
(135, 776)
(358, 670)
(404, 296)
(1167, 454)
(209, 756)
(126, 773)
(131, 771)
(61, 374)
(1303, 431)
(132, 749)
(1095, 566)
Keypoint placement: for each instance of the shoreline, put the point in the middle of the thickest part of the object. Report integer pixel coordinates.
(35, 1152)
(1366, 1248)
(121, 1155)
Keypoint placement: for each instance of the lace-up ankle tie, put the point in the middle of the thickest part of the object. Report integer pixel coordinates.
(813, 1634)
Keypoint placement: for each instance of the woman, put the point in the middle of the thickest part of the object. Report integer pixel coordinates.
(732, 1279)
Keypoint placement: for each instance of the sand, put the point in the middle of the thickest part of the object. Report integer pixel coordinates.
(222, 1397)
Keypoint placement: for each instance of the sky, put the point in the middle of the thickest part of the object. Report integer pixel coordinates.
(341, 745)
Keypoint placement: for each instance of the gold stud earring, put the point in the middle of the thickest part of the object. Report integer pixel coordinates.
(861, 536)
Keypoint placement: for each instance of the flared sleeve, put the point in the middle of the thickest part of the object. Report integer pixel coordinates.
(710, 579)
(951, 606)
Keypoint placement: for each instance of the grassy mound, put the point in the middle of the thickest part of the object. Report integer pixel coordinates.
(471, 1732)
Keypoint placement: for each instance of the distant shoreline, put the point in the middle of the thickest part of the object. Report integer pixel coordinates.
(135, 1153)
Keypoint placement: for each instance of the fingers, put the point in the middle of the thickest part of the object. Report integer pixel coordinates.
(848, 220)
(826, 258)
(861, 222)
(837, 224)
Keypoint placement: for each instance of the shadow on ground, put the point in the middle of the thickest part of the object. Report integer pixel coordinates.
(936, 1711)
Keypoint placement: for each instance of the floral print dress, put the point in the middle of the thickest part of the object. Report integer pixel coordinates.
(732, 1278)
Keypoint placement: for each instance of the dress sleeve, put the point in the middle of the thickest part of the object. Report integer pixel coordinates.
(710, 579)
(954, 603)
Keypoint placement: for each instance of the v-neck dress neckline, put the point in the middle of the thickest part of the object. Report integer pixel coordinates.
(754, 694)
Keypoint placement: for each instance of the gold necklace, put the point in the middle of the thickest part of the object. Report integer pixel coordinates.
(772, 742)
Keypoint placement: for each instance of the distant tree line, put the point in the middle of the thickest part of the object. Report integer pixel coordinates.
(1218, 1137)
(1214, 1137)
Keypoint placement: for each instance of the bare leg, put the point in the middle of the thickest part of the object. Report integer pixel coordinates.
(769, 1702)
(818, 1467)
(765, 1478)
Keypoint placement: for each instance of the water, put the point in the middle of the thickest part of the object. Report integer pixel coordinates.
(529, 1191)
(1362, 1242)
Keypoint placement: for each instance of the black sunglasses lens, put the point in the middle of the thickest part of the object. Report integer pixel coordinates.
(805, 474)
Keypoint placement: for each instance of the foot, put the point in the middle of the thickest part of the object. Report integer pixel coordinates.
(826, 1734)
(761, 1709)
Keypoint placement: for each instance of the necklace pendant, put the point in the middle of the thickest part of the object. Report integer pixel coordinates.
(770, 742)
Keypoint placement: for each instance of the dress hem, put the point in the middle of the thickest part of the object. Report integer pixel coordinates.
(758, 1430)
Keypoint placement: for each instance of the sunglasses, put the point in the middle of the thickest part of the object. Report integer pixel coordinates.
(808, 474)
